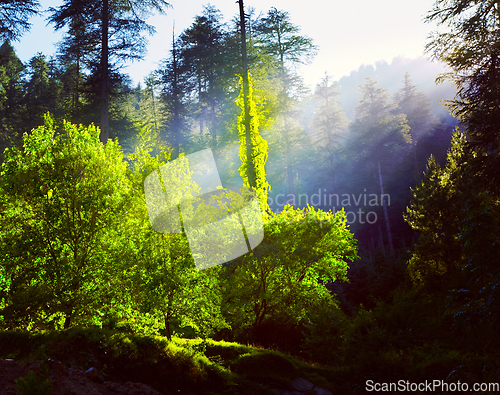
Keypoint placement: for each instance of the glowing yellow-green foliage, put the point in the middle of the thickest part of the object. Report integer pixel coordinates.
(259, 146)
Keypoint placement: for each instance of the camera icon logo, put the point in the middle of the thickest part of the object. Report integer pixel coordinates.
(221, 224)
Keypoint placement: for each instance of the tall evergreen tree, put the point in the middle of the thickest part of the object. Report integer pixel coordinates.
(118, 27)
(417, 108)
(175, 88)
(202, 54)
(378, 140)
(471, 47)
(14, 16)
(11, 95)
(328, 123)
(276, 36)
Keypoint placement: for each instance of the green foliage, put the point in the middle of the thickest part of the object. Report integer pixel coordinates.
(201, 366)
(328, 121)
(284, 278)
(459, 243)
(11, 95)
(15, 16)
(63, 198)
(451, 213)
(470, 46)
(255, 164)
(161, 271)
(325, 333)
(33, 385)
(277, 36)
(377, 135)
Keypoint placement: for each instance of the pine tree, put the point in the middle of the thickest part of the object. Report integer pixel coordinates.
(378, 139)
(11, 96)
(277, 36)
(113, 33)
(470, 46)
(328, 123)
(417, 108)
(14, 16)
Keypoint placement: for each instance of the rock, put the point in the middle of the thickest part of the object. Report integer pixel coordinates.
(322, 391)
(301, 384)
(94, 375)
(141, 388)
(56, 367)
(10, 390)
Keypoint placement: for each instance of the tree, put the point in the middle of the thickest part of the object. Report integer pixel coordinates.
(11, 95)
(471, 47)
(456, 221)
(14, 16)
(160, 267)
(253, 148)
(41, 92)
(117, 27)
(77, 53)
(287, 273)
(456, 254)
(417, 108)
(328, 123)
(175, 91)
(377, 139)
(63, 197)
(276, 36)
(206, 64)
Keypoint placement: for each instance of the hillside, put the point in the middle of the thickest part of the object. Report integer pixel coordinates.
(84, 361)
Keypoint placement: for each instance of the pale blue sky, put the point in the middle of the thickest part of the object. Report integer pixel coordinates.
(348, 33)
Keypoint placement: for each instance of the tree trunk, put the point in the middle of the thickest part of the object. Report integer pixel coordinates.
(67, 320)
(176, 129)
(289, 164)
(166, 317)
(105, 75)
(386, 217)
(153, 103)
(382, 247)
(214, 126)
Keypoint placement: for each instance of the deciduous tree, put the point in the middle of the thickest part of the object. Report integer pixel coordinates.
(63, 196)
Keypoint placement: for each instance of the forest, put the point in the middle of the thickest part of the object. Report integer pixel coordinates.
(378, 269)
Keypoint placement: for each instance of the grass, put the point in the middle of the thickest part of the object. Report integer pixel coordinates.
(200, 366)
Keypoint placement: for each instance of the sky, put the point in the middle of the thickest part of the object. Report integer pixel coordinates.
(348, 33)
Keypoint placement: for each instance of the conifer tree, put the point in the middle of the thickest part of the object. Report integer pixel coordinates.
(14, 16)
(115, 28)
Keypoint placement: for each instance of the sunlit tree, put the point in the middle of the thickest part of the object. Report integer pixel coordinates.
(470, 46)
(278, 37)
(63, 197)
(287, 273)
